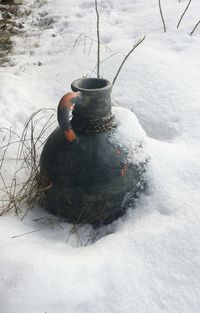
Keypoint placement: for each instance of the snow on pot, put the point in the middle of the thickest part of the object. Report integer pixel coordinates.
(95, 161)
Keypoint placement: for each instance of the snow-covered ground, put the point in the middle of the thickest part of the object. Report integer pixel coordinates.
(149, 262)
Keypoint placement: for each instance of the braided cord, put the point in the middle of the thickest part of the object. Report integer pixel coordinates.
(90, 125)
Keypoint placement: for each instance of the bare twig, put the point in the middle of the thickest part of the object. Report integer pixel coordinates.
(112, 55)
(93, 70)
(162, 17)
(126, 57)
(195, 27)
(183, 13)
(89, 51)
(98, 39)
(76, 43)
(83, 37)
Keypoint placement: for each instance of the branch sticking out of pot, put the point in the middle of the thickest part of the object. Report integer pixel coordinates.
(183, 14)
(126, 57)
(98, 39)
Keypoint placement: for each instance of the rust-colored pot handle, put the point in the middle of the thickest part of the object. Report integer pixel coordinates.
(64, 106)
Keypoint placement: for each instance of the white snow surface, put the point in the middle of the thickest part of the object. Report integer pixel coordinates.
(129, 135)
(148, 261)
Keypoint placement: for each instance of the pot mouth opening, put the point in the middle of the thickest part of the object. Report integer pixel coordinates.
(91, 84)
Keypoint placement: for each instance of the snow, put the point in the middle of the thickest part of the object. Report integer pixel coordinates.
(129, 135)
(148, 260)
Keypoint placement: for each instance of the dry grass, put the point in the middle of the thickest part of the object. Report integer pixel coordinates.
(19, 195)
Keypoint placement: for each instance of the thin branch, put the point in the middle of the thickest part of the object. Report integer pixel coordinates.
(195, 27)
(83, 37)
(162, 17)
(126, 57)
(90, 48)
(98, 40)
(104, 60)
(183, 13)
(112, 55)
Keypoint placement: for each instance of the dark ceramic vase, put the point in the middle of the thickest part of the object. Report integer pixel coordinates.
(92, 182)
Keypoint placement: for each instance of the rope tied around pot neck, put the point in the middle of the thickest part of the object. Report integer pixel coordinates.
(91, 125)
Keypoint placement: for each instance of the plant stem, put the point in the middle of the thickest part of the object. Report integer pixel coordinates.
(197, 24)
(161, 14)
(126, 57)
(183, 13)
(98, 40)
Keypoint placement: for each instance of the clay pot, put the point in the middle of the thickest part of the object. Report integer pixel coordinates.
(92, 181)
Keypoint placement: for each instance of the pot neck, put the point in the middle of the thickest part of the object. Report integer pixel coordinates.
(94, 97)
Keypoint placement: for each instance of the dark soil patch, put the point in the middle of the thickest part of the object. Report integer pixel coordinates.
(10, 2)
(10, 9)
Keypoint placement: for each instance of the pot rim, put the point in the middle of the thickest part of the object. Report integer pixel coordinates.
(91, 84)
